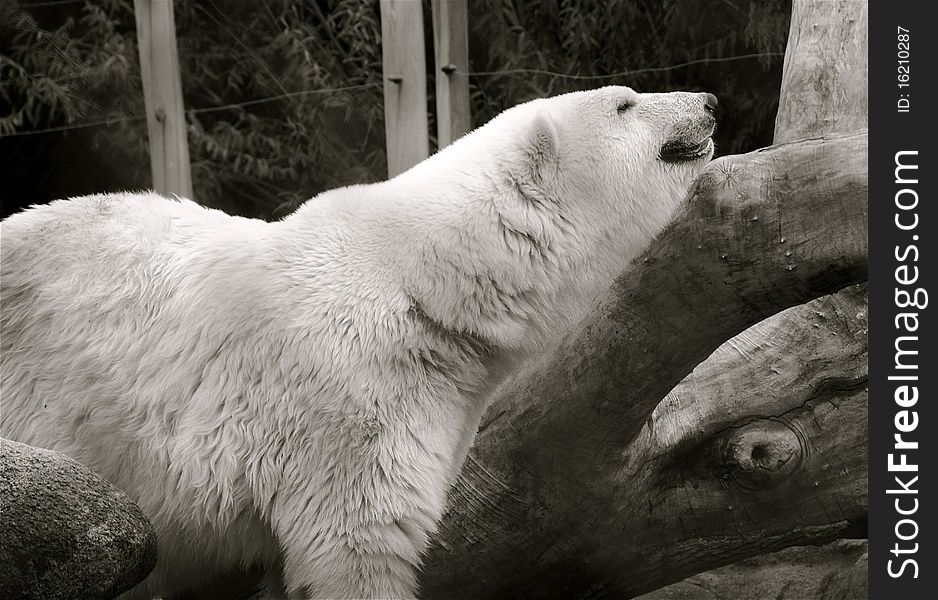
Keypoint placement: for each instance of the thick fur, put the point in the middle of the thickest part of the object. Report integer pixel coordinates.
(300, 394)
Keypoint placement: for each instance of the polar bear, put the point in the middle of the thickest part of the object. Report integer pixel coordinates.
(300, 394)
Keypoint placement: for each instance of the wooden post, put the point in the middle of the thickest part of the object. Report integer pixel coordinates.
(162, 92)
(451, 46)
(825, 79)
(405, 84)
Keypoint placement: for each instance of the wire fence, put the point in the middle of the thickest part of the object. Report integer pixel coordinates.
(49, 3)
(294, 94)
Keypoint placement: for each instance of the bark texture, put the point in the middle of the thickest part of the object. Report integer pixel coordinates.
(764, 444)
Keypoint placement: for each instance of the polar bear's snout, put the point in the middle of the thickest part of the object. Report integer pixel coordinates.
(691, 138)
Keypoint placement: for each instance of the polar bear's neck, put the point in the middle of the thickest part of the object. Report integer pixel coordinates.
(493, 261)
(467, 248)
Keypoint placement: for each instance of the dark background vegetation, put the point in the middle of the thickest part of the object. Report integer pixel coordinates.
(284, 97)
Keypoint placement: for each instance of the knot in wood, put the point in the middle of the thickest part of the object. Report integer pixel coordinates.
(763, 453)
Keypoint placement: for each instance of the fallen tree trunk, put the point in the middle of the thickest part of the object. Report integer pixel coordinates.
(537, 509)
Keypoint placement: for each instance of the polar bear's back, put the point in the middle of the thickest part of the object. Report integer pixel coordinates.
(102, 251)
(86, 285)
(88, 230)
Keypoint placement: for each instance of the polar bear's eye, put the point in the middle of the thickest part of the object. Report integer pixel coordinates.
(624, 106)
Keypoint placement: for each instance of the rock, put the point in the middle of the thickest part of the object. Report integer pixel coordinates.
(837, 571)
(66, 532)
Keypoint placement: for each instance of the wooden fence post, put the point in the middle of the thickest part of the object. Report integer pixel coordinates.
(405, 84)
(824, 84)
(451, 46)
(162, 92)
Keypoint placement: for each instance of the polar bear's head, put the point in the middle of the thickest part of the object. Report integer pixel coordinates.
(552, 199)
(612, 153)
(609, 165)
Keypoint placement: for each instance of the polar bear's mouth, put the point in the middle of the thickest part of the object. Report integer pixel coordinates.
(681, 151)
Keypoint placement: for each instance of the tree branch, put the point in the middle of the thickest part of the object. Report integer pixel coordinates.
(764, 445)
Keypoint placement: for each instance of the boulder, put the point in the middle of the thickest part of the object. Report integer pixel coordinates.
(66, 532)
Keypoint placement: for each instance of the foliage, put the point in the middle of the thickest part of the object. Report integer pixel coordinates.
(282, 147)
(284, 97)
(67, 70)
(70, 68)
(271, 151)
(593, 38)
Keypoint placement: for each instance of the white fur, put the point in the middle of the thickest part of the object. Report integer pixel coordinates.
(300, 394)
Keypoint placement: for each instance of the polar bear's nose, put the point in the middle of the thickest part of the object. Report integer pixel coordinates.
(710, 101)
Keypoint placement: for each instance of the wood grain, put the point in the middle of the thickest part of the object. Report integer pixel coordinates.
(824, 78)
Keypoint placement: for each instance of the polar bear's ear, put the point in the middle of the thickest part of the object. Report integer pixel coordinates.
(542, 143)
